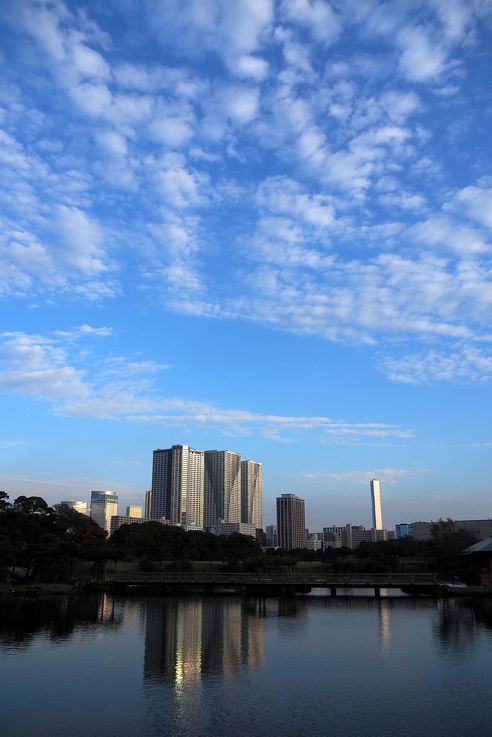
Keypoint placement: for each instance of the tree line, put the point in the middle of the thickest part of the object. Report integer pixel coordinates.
(39, 542)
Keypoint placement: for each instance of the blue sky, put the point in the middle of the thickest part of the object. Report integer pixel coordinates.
(255, 225)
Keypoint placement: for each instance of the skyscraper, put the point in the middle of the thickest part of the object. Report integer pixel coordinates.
(178, 486)
(147, 505)
(291, 525)
(251, 493)
(222, 488)
(104, 505)
(377, 514)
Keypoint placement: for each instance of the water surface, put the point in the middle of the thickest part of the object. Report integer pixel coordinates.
(196, 666)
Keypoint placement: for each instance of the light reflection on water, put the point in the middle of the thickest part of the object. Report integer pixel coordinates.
(227, 666)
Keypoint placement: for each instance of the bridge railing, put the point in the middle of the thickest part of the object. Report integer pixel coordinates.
(275, 577)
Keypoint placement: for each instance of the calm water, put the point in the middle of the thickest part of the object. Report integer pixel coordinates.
(227, 666)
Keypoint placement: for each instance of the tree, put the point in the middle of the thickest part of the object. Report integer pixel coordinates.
(448, 542)
(4, 503)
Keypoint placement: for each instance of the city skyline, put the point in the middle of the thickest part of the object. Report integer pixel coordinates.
(264, 225)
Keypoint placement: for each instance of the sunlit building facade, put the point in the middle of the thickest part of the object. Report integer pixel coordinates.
(222, 488)
(252, 493)
(377, 512)
(178, 486)
(76, 505)
(104, 505)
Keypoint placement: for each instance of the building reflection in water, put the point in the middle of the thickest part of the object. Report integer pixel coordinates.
(23, 618)
(190, 638)
(384, 626)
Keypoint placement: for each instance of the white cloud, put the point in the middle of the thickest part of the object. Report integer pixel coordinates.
(316, 15)
(92, 99)
(112, 142)
(180, 186)
(231, 30)
(285, 196)
(444, 232)
(83, 331)
(390, 476)
(89, 63)
(252, 66)
(459, 364)
(42, 367)
(422, 59)
(242, 104)
(474, 203)
(36, 366)
(82, 241)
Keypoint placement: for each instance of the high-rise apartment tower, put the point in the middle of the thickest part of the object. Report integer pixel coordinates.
(222, 488)
(291, 525)
(178, 486)
(251, 493)
(377, 514)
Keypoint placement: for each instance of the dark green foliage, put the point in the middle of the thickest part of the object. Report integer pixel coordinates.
(53, 543)
(45, 542)
(447, 544)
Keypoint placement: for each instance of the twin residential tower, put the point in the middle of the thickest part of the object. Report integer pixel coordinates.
(200, 489)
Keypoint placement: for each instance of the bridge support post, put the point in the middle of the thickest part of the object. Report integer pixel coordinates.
(377, 592)
(333, 590)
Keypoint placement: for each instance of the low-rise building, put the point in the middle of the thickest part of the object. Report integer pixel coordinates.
(314, 541)
(117, 520)
(76, 505)
(243, 528)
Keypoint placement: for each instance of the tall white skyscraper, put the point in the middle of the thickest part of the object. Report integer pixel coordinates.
(251, 493)
(377, 514)
(104, 505)
(178, 486)
(222, 488)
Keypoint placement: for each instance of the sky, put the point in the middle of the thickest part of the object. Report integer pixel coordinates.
(261, 225)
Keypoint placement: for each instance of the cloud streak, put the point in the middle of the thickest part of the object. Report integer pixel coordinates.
(110, 388)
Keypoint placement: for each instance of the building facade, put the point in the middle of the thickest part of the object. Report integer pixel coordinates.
(271, 536)
(291, 524)
(404, 529)
(222, 488)
(252, 493)
(148, 504)
(314, 541)
(227, 528)
(118, 520)
(480, 528)
(377, 512)
(133, 511)
(104, 505)
(178, 486)
(77, 506)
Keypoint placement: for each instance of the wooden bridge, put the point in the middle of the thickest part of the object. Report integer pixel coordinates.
(273, 582)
